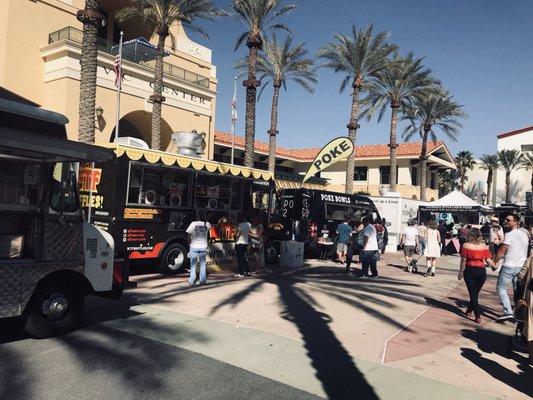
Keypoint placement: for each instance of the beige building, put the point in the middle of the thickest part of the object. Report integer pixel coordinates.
(40, 49)
(372, 166)
(521, 140)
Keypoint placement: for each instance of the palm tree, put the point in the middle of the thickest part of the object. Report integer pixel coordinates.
(277, 64)
(447, 182)
(509, 160)
(163, 14)
(464, 161)
(257, 16)
(490, 163)
(90, 18)
(399, 84)
(359, 57)
(527, 164)
(430, 114)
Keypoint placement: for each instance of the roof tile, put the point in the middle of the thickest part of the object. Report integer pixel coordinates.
(364, 151)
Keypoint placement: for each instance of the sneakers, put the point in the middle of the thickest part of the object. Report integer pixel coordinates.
(505, 317)
(238, 276)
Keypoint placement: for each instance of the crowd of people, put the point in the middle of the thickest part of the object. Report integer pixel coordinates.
(507, 249)
(491, 246)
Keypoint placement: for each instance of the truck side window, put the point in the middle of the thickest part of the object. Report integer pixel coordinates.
(63, 194)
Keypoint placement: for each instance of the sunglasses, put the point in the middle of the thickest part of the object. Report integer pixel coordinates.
(509, 220)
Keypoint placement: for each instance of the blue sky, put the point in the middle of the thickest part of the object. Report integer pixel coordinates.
(481, 50)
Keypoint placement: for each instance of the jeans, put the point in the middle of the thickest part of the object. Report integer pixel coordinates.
(197, 255)
(475, 278)
(369, 258)
(507, 275)
(421, 245)
(240, 249)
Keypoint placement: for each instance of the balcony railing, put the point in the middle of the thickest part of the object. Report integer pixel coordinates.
(106, 46)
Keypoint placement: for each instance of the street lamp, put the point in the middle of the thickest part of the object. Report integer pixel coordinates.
(483, 198)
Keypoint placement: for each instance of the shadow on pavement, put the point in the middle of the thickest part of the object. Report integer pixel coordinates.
(491, 342)
(334, 366)
(15, 380)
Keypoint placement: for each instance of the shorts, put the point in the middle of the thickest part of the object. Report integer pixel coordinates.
(342, 247)
(409, 250)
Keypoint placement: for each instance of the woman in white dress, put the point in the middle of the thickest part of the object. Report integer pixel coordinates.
(432, 250)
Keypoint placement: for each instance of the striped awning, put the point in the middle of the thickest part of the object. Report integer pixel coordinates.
(283, 184)
(153, 156)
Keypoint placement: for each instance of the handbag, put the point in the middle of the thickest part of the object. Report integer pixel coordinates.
(522, 307)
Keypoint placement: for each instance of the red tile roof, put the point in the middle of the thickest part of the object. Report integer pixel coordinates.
(515, 132)
(366, 151)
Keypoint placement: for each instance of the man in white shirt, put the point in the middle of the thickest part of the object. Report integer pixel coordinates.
(198, 239)
(409, 241)
(370, 253)
(514, 253)
(241, 246)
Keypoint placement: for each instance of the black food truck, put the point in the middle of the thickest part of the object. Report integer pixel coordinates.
(301, 214)
(146, 199)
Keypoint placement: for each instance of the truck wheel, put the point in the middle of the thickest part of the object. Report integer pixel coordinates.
(54, 308)
(174, 259)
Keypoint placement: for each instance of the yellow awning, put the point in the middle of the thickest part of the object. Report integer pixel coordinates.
(283, 184)
(199, 164)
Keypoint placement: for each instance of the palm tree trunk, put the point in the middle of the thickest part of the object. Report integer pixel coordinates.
(393, 145)
(531, 183)
(423, 165)
(157, 98)
(273, 130)
(508, 186)
(462, 180)
(352, 135)
(489, 186)
(88, 64)
(251, 92)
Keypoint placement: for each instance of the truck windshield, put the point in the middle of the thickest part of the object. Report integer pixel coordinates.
(63, 193)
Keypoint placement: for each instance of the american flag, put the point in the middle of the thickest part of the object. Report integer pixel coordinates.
(117, 67)
(234, 104)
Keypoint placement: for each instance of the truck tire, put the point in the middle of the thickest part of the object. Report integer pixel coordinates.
(174, 259)
(54, 308)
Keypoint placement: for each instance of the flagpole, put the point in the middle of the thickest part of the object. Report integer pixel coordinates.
(233, 121)
(119, 86)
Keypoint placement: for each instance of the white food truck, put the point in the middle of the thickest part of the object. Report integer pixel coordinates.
(49, 257)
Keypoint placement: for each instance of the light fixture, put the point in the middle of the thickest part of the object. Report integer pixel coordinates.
(100, 120)
(483, 198)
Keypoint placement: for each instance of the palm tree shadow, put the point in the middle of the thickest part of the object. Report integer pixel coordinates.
(334, 367)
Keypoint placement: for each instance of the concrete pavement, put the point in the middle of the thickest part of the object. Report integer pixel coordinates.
(315, 331)
(361, 318)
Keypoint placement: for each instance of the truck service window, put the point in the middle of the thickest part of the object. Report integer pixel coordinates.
(340, 212)
(19, 183)
(63, 190)
(160, 186)
(218, 193)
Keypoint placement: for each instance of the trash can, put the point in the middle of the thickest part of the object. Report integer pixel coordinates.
(291, 254)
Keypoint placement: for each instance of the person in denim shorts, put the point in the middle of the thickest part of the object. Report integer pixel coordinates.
(198, 239)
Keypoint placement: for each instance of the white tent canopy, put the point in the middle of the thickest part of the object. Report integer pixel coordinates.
(454, 199)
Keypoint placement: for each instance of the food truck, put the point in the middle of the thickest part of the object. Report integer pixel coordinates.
(146, 199)
(49, 257)
(300, 214)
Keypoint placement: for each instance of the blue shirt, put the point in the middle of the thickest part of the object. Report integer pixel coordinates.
(344, 230)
